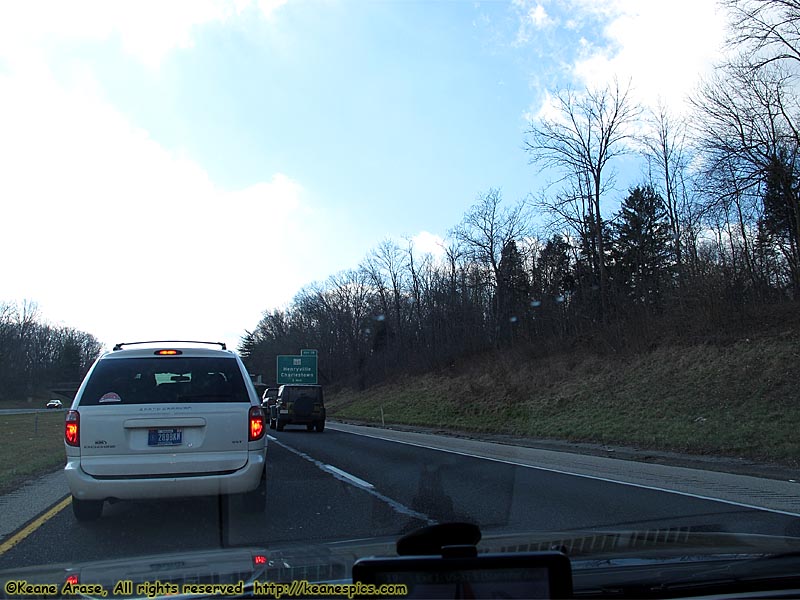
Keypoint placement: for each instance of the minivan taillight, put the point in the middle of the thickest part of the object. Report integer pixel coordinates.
(256, 424)
(72, 428)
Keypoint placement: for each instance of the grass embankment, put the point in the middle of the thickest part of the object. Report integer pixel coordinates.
(33, 444)
(739, 399)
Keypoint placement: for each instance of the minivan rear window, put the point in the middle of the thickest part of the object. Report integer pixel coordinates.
(165, 380)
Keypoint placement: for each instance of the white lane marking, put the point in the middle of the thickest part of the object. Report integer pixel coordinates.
(351, 480)
(585, 476)
(356, 481)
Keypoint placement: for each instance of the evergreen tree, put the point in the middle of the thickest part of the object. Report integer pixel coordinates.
(589, 300)
(642, 261)
(513, 292)
(553, 285)
(553, 275)
(782, 209)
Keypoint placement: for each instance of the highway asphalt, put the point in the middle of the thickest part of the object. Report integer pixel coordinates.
(355, 482)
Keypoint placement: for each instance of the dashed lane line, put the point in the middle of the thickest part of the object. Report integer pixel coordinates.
(359, 483)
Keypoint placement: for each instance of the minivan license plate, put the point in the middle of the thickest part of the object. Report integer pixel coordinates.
(164, 437)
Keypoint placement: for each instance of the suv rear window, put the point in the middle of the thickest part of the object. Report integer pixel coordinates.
(290, 394)
(165, 380)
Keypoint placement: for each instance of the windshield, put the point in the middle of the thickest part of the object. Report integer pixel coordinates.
(541, 260)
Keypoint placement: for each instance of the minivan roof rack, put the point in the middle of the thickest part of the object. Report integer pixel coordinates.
(120, 345)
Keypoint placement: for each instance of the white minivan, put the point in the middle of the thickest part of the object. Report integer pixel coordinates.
(165, 420)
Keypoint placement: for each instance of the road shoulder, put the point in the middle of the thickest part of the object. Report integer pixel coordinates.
(30, 500)
(721, 464)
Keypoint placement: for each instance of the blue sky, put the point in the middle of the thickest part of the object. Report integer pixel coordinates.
(174, 169)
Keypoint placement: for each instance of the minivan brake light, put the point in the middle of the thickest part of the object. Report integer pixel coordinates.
(72, 429)
(255, 424)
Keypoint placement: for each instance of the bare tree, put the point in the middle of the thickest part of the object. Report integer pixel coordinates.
(769, 30)
(485, 231)
(488, 227)
(665, 145)
(35, 355)
(750, 147)
(385, 267)
(588, 131)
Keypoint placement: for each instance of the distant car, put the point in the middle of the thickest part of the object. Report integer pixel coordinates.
(260, 388)
(298, 405)
(165, 421)
(269, 398)
(54, 403)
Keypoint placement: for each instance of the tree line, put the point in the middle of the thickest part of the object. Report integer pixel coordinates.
(34, 355)
(710, 235)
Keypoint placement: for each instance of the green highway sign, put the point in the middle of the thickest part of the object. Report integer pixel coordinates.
(308, 352)
(296, 369)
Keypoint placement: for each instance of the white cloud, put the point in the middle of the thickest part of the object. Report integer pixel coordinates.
(113, 233)
(106, 229)
(538, 17)
(662, 47)
(147, 29)
(426, 242)
(532, 17)
(548, 108)
(268, 7)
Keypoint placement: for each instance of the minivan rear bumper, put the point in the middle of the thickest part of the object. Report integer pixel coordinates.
(87, 487)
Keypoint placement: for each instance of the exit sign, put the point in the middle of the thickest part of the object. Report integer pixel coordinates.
(296, 369)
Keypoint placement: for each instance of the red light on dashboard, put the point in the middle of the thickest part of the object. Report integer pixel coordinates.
(72, 579)
(259, 559)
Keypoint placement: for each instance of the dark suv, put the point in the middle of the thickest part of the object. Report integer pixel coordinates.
(298, 405)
